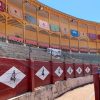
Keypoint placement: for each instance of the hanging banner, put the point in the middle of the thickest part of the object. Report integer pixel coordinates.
(83, 36)
(54, 28)
(92, 36)
(54, 52)
(15, 12)
(74, 33)
(44, 25)
(2, 6)
(30, 19)
(64, 30)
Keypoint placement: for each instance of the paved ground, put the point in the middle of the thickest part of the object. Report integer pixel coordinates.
(82, 93)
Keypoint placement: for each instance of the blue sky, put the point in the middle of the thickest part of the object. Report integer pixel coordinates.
(84, 9)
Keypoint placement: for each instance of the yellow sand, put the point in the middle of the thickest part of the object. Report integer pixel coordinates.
(82, 93)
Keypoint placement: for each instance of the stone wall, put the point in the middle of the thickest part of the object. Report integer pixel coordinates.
(50, 92)
(22, 52)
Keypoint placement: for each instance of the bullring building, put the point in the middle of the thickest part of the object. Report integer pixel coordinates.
(30, 23)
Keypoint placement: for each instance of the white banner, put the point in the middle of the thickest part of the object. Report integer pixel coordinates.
(54, 52)
(44, 25)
